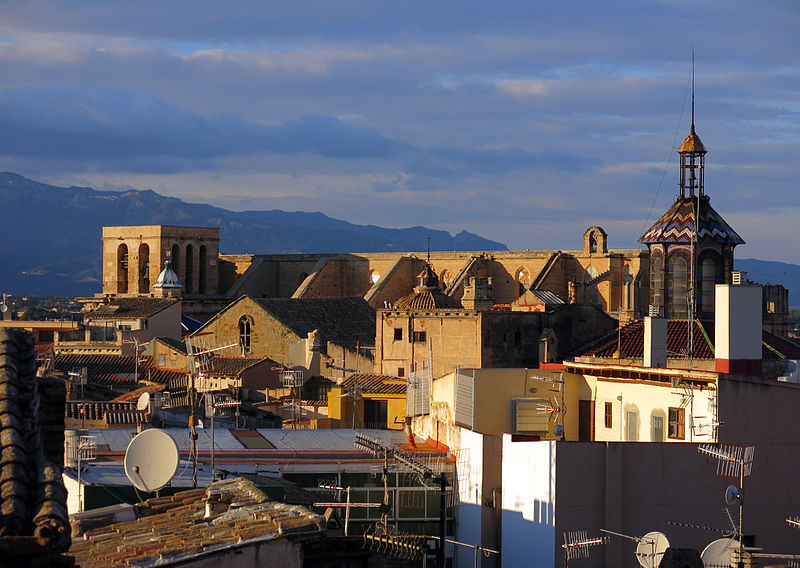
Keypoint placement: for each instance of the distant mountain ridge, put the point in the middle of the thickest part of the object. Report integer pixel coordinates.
(52, 235)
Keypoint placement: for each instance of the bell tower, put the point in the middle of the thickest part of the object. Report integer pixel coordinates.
(691, 245)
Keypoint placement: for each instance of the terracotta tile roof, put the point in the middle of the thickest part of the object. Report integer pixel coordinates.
(174, 529)
(428, 299)
(119, 307)
(631, 342)
(232, 366)
(134, 395)
(374, 384)
(677, 225)
(343, 321)
(776, 347)
(114, 370)
(175, 344)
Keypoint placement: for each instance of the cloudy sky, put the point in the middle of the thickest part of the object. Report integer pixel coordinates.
(525, 122)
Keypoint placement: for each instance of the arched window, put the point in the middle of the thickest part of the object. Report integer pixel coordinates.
(174, 260)
(444, 279)
(122, 269)
(245, 334)
(677, 285)
(593, 242)
(591, 295)
(203, 262)
(709, 277)
(523, 278)
(189, 262)
(144, 269)
(657, 280)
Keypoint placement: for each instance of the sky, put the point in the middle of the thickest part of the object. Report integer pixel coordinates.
(525, 122)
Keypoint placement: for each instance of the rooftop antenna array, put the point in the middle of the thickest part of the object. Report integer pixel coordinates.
(733, 461)
(199, 358)
(86, 450)
(577, 543)
(293, 379)
(650, 548)
(555, 407)
(377, 449)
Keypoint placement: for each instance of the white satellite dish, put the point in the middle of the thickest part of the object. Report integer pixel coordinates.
(651, 548)
(144, 401)
(718, 553)
(151, 460)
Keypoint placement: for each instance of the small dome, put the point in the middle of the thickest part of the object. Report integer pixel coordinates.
(167, 278)
(692, 144)
(428, 295)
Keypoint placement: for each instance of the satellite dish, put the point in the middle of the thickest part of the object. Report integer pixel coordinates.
(558, 430)
(144, 401)
(651, 548)
(151, 460)
(734, 496)
(718, 552)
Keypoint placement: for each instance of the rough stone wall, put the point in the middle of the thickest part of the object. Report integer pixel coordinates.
(160, 240)
(268, 338)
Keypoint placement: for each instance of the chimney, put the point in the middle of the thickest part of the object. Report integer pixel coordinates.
(737, 329)
(655, 342)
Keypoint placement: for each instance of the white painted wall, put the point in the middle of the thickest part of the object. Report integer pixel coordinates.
(469, 469)
(648, 400)
(737, 323)
(529, 495)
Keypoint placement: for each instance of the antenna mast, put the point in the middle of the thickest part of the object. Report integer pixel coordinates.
(693, 267)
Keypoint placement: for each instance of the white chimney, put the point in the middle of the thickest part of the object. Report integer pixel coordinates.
(737, 329)
(655, 342)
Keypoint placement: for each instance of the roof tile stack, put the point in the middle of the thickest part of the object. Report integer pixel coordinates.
(33, 499)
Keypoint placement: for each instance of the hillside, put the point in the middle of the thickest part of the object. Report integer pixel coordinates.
(52, 235)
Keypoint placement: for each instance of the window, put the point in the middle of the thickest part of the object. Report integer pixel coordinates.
(609, 417)
(162, 361)
(631, 427)
(420, 337)
(657, 430)
(677, 426)
(398, 333)
(401, 372)
(245, 331)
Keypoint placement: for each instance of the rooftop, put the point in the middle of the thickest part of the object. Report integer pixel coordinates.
(173, 529)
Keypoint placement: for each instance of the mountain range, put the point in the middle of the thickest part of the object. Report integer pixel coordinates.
(51, 236)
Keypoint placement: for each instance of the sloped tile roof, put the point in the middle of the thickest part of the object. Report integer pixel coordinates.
(342, 321)
(631, 342)
(428, 299)
(114, 370)
(121, 307)
(134, 395)
(776, 347)
(231, 366)
(374, 384)
(175, 344)
(677, 225)
(174, 529)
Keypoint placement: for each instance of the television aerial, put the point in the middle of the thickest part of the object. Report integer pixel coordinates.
(144, 402)
(650, 548)
(151, 460)
(577, 543)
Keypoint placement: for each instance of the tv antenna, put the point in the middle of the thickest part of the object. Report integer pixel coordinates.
(733, 461)
(199, 358)
(151, 460)
(377, 449)
(794, 522)
(650, 548)
(554, 405)
(85, 451)
(576, 545)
